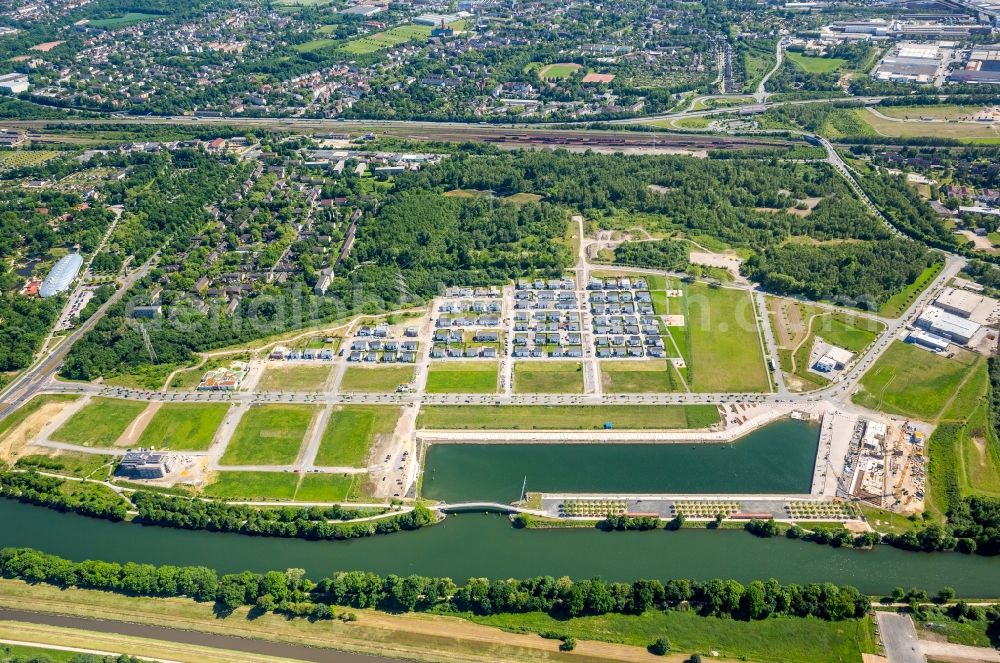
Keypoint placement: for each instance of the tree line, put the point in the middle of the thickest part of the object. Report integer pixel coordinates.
(88, 499)
(290, 592)
(293, 522)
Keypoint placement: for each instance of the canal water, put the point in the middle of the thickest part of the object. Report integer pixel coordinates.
(477, 544)
(778, 458)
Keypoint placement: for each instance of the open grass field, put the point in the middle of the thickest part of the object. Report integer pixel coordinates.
(397, 35)
(896, 305)
(328, 487)
(315, 45)
(351, 431)
(558, 71)
(724, 341)
(815, 65)
(967, 131)
(99, 423)
(913, 382)
(125, 20)
(286, 377)
(470, 377)
(187, 426)
(952, 112)
(803, 640)
(375, 378)
(566, 417)
(269, 435)
(548, 377)
(631, 377)
(524, 198)
(253, 486)
(70, 463)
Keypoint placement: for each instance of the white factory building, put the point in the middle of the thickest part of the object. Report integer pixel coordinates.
(969, 305)
(948, 325)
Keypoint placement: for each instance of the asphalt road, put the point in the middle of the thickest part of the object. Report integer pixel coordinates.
(899, 638)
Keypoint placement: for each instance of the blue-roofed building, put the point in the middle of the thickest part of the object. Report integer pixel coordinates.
(61, 276)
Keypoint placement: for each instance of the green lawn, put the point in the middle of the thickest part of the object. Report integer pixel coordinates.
(269, 435)
(188, 426)
(100, 422)
(375, 378)
(629, 377)
(328, 487)
(910, 381)
(253, 486)
(896, 305)
(70, 463)
(548, 377)
(295, 377)
(470, 377)
(803, 640)
(351, 431)
(723, 341)
(569, 417)
(814, 64)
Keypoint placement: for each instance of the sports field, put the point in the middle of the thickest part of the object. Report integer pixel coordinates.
(913, 382)
(566, 417)
(462, 377)
(99, 423)
(630, 377)
(548, 377)
(351, 431)
(724, 341)
(394, 37)
(558, 71)
(269, 435)
(187, 426)
(375, 378)
(285, 377)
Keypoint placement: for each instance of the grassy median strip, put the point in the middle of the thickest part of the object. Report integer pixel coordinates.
(566, 417)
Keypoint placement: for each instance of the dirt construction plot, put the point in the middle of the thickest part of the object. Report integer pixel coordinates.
(790, 327)
(134, 431)
(14, 442)
(722, 260)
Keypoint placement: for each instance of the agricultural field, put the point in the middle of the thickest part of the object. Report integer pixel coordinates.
(253, 486)
(99, 423)
(469, 377)
(548, 377)
(187, 426)
(382, 40)
(912, 382)
(637, 376)
(566, 417)
(269, 435)
(723, 341)
(375, 378)
(813, 64)
(351, 432)
(292, 377)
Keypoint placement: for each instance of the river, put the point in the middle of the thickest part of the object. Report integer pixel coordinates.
(778, 458)
(478, 544)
